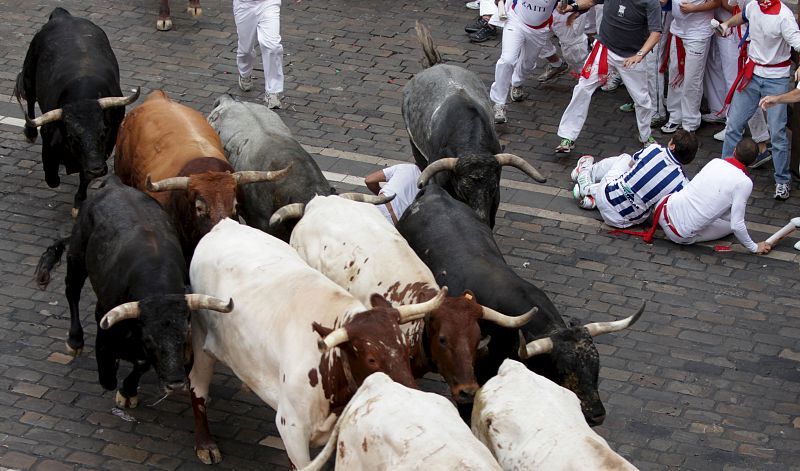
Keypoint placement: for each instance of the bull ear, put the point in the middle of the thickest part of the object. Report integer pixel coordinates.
(572, 322)
(376, 301)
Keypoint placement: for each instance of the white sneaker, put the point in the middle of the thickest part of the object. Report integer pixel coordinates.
(613, 82)
(587, 202)
(712, 118)
(499, 113)
(473, 5)
(551, 72)
(584, 163)
(582, 188)
(720, 136)
(273, 102)
(517, 94)
(245, 83)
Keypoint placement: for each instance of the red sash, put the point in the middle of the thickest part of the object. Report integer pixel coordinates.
(744, 77)
(602, 67)
(647, 235)
(681, 53)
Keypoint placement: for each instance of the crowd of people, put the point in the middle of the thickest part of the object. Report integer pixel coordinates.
(670, 55)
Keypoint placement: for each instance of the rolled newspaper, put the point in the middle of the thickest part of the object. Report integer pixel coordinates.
(501, 10)
(784, 231)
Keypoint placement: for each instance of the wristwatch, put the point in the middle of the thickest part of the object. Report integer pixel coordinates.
(640, 53)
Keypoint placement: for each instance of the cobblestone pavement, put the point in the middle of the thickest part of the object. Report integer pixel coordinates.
(707, 380)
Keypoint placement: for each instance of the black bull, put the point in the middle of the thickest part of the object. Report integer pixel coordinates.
(449, 119)
(126, 245)
(71, 71)
(462, 254)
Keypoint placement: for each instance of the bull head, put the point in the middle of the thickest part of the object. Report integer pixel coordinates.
(449, 163)
(58, 113)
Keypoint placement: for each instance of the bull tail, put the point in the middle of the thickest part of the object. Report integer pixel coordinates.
(432, 56)
(49, 259)
(324, 455)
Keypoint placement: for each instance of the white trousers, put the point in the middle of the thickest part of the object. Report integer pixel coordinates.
(603, 173)
(716, 229)
(635, 80)
(259, 20)
(521, 46)
(488, 8)
(655, 79)
(574, 45)
(721, 71)
(683, 100)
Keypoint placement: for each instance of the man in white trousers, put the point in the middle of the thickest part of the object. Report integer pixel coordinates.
(625, 188)
(259, 21)
(525, 34)
(689, 43)
(629, 31)
(773, 33)
(712, 205)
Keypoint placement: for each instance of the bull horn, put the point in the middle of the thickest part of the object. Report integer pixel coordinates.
(290, 211)
(250, 176)
(204, 301)
(167, 184)
(362, 198)
(413, 312)
(536, 347)
(519, 162)
(337, 337)
(120, 313)
(115, 101)
(484, 343)
(511, 322)
(49, 117)
(440, 165)
(600, 328)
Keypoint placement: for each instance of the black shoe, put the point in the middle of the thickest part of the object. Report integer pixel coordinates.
(484, 34)
(476, 25)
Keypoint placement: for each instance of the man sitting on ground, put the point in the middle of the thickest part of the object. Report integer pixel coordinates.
(401, 180)
(712, 205)
(625, 189)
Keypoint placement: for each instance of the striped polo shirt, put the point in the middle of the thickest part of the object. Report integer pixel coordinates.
(655, 174)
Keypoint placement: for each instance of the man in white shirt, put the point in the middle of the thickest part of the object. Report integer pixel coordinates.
(773, 33)
(401, 181)
(712, 204)
(626, 188)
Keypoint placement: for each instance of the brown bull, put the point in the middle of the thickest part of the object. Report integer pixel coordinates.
(170, 151)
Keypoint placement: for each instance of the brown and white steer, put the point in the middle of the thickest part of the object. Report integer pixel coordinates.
(296, 339)
(531, 423)
(378, 430)
(170, 151)
(356, 247)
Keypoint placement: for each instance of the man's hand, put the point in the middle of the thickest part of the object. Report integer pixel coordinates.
(564, 9)
(631, 61)
(763, 248)
(797, 75)
(688, 8)
(768, 102)
(574, 16)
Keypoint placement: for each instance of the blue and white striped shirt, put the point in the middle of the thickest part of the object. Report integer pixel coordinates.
(655, 174)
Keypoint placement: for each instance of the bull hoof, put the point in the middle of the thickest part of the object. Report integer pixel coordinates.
(194, 11)
(209, 454)
(126, 402)
(75, 213)
(164, 25)
(73, 351)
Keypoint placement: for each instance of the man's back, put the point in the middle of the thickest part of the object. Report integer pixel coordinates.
(709, 196)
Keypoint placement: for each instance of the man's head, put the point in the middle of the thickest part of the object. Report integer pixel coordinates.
(683, 146)
(746, 151)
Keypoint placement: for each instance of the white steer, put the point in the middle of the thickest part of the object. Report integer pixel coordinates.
(356, 247)
(531, 423)
(387, 426)
(281, 337)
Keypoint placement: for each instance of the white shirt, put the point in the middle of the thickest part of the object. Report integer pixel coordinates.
(532, 12)
(719, 190)
(401, 180)
(771, 36)
(691, 26)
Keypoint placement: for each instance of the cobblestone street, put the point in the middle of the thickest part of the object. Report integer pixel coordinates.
(708, 379)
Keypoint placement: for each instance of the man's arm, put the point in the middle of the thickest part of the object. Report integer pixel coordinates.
(790, 32)
(651, 42)
(579, 5)
(788, 97)
(740, 195)
(733, 21)
(698, 7)
(373, 181)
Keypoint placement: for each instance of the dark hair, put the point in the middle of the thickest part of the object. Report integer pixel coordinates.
(685, 146)
(746, 151)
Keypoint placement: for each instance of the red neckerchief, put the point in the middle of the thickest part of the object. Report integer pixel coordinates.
(602, 67)
(769, 7)
(737, 164)
(681, 53)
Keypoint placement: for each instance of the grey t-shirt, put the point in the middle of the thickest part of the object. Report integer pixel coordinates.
(627, 24)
